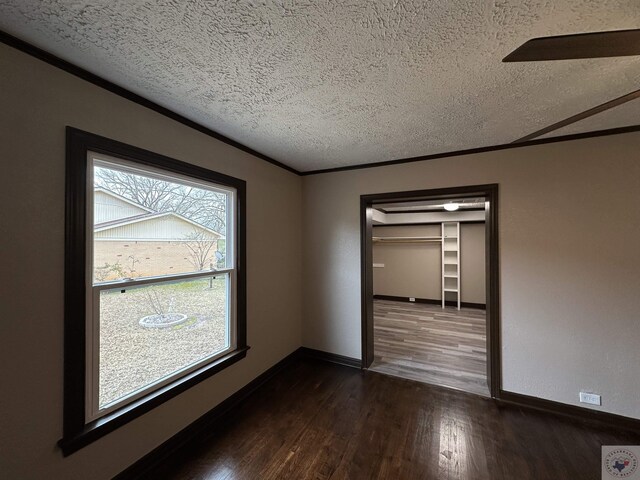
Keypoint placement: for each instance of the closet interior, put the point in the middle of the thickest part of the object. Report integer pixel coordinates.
(429, 292)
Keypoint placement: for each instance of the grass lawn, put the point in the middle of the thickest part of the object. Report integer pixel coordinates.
(133, 356)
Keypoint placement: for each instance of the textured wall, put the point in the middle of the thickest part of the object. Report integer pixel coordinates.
(569, 261)
(410, 269)
(415, 270)
(38, 101)
(472, 251)
(323, 83)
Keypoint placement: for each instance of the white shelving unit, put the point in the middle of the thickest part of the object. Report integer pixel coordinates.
(450, 260)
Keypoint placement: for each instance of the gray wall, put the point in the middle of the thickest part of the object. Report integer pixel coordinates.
(38, 101)
(414, 269)
(569, 261)
(569, 264)
(472, 259)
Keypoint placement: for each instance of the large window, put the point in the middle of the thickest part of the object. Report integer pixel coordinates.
(155, 287)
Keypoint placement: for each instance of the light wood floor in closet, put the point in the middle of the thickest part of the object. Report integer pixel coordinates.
(431, 344)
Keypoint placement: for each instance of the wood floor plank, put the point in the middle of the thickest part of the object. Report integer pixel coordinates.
(431, 344)
(327, 422)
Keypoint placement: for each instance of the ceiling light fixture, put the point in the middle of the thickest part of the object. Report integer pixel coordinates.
(451, 207)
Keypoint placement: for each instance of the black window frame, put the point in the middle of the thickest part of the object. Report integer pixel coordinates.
(78, 433)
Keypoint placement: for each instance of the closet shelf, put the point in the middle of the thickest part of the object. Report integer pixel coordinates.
(407, 239)
(450, 232)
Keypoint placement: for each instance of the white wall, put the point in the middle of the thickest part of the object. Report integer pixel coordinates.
(38, 101)
(168, 227)
(107, 207)
(570, 262)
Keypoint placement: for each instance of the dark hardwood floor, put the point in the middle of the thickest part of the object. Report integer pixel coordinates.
(321, 421)
(431, 344)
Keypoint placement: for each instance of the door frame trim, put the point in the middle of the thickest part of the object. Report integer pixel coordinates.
(492, 267)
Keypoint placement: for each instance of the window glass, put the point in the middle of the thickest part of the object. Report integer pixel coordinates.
(155, 281)
(157, 310)
(152, 331)
(147, 225)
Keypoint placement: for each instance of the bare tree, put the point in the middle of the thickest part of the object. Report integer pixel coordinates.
(200, 245)
(205, 207)
(154, 301)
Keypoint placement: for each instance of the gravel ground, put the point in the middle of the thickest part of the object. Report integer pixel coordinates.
(132, 356)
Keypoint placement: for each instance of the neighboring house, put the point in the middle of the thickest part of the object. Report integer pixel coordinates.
(129, 237)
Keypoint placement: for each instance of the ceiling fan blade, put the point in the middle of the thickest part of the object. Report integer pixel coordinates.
(616, 43)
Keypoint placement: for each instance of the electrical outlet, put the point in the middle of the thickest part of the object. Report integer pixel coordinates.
(411, 299)
(591, 398)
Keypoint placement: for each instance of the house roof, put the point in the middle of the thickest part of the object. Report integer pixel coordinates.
(150, 215)
(101, 227)
(124, 199)
(121, 221)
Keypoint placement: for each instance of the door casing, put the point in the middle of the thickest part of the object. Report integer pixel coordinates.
(492, 267)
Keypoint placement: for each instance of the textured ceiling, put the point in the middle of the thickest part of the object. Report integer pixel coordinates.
(318, 84)
(624, 115)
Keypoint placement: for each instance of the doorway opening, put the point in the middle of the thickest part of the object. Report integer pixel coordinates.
(430, 309)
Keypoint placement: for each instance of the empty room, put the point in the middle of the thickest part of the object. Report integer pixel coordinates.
(320, 240)
(429, 295)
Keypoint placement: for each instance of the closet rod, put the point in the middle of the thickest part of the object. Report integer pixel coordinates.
(407, 239)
